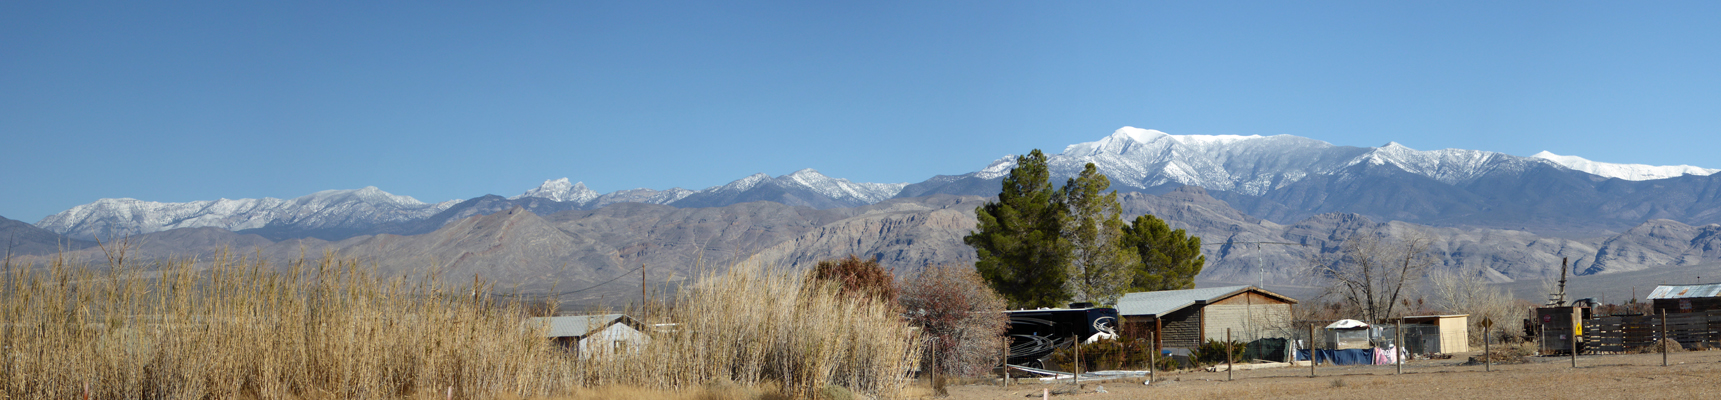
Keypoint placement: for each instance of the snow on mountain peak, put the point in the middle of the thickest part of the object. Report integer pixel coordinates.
(997, 168)
(560, 190)
(743, 184)
(326, 209)
(1212, 139)
(1630, 172)
(1138, 134)
(841, 189)
(806, 173)
(1253, 164)
(1124, 140)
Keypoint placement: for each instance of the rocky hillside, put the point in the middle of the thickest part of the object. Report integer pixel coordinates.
(602, 251)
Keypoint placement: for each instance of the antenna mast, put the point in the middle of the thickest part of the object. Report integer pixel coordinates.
(1559, 299)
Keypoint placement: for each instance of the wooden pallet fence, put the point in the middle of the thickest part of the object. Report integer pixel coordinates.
(1632, 333)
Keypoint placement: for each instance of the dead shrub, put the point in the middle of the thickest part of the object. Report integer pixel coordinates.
(960, 313)
(859, 278)
(1672, 347)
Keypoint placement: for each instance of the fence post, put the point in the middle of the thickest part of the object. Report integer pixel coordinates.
(1573, 333)
(1076, 370)
(933, 376)
(1398, 346)
(1311, 349)
(1487, 354)
(1152, 358)
(1228, 366)
(1006, 362)
(1664, 338)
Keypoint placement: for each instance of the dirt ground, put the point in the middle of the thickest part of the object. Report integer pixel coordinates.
(1638, 376)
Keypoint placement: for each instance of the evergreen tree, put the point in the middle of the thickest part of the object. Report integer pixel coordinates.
(1101, 266)
(1170, 259)
(1022, 252)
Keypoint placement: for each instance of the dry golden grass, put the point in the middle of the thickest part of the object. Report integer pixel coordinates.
(751, 325)
(238, 329)
(1637, 376)
(331, 329)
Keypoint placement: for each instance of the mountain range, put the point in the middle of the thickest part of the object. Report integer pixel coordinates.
(1504, 217)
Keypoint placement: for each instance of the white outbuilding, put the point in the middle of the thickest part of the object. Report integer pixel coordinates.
(592, 335)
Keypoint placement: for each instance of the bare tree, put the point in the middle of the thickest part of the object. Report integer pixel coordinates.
(1371, 271)
(1469, 293)
(953, 304)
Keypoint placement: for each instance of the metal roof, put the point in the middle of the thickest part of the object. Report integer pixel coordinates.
(1686, 291)
(1167, 301)
(577, 325)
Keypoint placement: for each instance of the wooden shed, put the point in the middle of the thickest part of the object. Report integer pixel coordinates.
(590, 335)
(1184, 318)
(1448, 334)
(1686, 298)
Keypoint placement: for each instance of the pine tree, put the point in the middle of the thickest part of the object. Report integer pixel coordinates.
(1170, 259)
(1101, 266)
(1022, 252)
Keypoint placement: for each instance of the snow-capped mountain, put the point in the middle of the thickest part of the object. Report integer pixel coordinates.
(641, 195)
(1630, 172)
(1289, 178)
(806, 187)
(1144, 158)
(352, 209)
(1278, 177)
(842, 189)
(560, 190)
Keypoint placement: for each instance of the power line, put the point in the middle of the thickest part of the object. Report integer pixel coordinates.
(624, 274)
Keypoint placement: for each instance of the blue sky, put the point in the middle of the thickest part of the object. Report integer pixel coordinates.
(443, 100)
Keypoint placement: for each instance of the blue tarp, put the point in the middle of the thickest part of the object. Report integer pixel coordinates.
(1340, 357)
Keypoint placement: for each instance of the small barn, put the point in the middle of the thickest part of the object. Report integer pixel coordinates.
(1182, 319)
(1425, 334)
(1686, 298)
(587, 335)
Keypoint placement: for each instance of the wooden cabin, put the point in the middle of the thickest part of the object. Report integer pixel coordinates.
(1182, 319)
(1686, 298)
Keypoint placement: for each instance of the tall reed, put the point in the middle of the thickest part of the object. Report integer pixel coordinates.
(752, 325)
(330, 328)
(234, 327)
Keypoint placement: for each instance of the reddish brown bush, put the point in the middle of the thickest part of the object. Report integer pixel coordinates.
(857, 277)
(961, 316)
